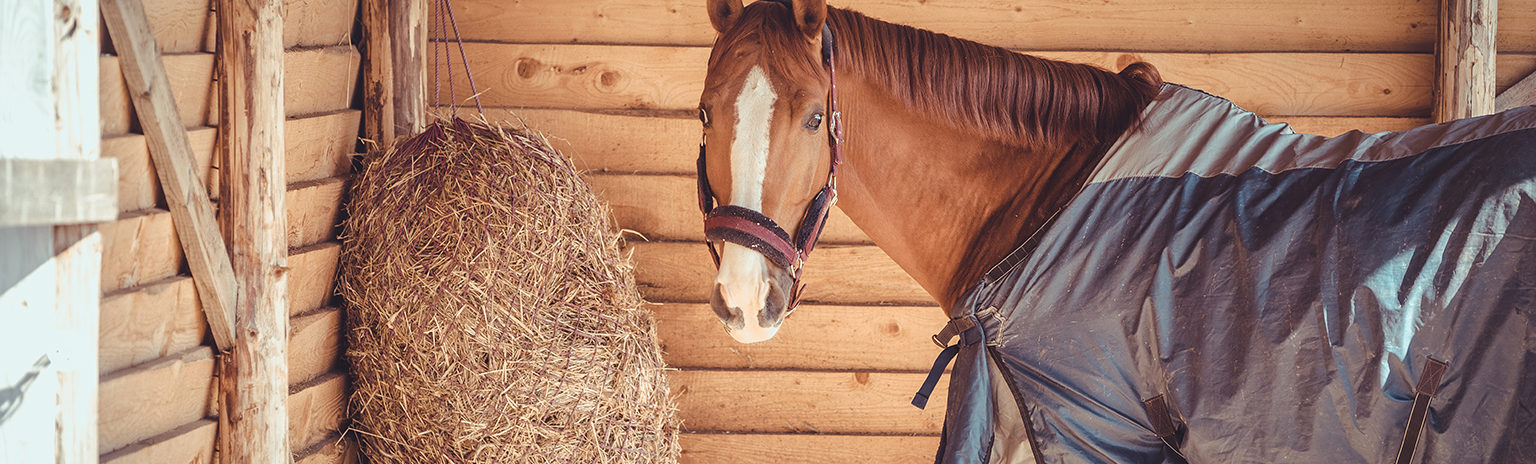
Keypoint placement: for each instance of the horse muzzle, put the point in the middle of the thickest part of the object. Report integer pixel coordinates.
(751, 294)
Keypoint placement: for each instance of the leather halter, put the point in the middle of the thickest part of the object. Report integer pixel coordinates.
(752, 229)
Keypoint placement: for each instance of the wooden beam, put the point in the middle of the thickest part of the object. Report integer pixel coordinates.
(606, 77)
(320, 146)
(148, 322)
(139, 248)
(317, 410)
(1465, 59)
(801, 402)
(337, 449)
(318, 23)
(778, 448)
(138, 187)
(1521, 94)
(408, 40)
(190, 443)
(880, 338)
(862, 274)
(319, 80)
(311, 276)
(174, 163)
(190, 74)
(314, 345)
(57, 191)
(253, 389)
(148, 400)
(314, 210)
(378, 74)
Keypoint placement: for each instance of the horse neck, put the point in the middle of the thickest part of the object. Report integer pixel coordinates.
(944, 204)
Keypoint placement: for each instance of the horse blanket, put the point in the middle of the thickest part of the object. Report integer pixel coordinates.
(1227, 290)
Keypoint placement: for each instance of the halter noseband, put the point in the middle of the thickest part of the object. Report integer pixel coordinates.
(752, 229)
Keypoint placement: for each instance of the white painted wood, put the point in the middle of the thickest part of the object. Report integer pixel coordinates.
(28, 385)
(50, 276)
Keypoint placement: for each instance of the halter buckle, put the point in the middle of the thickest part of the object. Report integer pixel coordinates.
(837, 126)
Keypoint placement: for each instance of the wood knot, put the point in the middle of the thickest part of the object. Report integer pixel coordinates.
(861, 377)
(527, 68)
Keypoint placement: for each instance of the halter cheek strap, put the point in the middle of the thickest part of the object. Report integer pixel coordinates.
(756, 231)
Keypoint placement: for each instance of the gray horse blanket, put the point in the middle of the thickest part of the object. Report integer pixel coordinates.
(1227, 290)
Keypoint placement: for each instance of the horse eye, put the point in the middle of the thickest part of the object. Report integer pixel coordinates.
(815, 122)
(704, 116)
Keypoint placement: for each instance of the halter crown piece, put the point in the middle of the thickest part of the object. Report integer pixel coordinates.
(752, 229)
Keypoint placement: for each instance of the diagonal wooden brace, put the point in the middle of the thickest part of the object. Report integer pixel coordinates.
(191, 212)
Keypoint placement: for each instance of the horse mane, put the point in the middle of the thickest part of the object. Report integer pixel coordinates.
(999, 94)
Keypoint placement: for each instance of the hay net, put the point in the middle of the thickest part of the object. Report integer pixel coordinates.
(490, 317)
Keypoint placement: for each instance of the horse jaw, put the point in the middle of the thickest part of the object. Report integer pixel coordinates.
(743, 284)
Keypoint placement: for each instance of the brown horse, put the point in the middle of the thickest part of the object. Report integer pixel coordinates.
(989, 143)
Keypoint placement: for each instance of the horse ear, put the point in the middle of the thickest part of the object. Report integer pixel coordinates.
(724, 13)
(809, 16)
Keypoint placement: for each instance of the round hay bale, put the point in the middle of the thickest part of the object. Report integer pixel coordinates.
(490, 318)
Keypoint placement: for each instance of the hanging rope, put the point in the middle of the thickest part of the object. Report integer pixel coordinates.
(445, 20)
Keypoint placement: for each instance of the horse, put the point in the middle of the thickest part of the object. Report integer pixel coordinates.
(1134, 271)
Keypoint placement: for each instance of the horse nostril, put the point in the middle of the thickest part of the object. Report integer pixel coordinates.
(731, 316)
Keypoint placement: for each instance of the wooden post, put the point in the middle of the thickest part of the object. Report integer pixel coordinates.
(408, 39)
(1464, 59)
(254, 375)
(191, 212)
(378, 74)
(77, 248)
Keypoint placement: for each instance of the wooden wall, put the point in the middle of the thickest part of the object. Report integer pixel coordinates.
(157, 359)
(616, 81)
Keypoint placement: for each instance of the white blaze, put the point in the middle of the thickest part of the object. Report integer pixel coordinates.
(743, 277)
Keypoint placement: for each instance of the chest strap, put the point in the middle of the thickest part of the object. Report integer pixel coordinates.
(1429, 383)
(969, 332)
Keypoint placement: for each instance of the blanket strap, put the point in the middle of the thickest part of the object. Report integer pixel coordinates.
(1162, 420)
(964, 327)
(1429, 383)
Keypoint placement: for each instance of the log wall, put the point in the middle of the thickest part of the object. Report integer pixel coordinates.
(616, 81)
(157, 355)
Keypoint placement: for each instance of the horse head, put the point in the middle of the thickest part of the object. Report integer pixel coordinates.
(765, 156)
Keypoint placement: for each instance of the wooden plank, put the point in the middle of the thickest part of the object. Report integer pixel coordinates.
(319, 80)
(317, 410)
(609, 77)
(320, 146)
(1147, 25)
(315, 147)
(859, 274)
(314, 345)
(798, 401)
(764, 448)
(312, 272)
(1333, 127)
(408, 42)
(614, 143)
(137, 185)
(318, 23)
(145, 401)
(57, 191)
(314, 209)
(191, 76)
(1179, 25)
(253, 383)
(881, 338)
(1518, 95)
(139, 248)
(179, 26)
(333, 450)
(174, 163)
(378, 73)
(1465, 58)
(666, 207)
(148, 322)
(190, 443)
